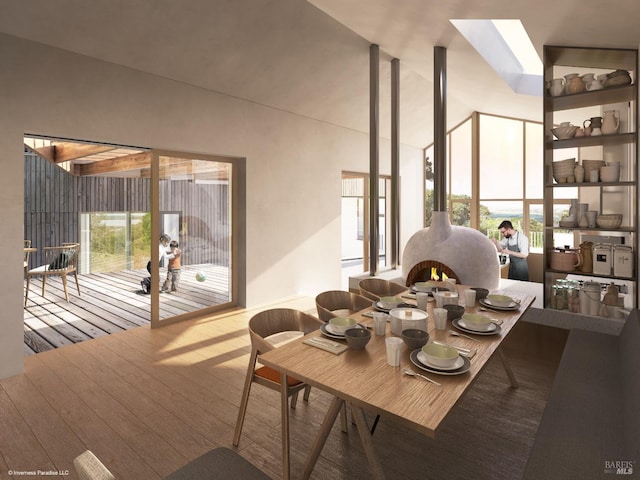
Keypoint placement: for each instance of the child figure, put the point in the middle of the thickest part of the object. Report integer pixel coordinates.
(173, 269)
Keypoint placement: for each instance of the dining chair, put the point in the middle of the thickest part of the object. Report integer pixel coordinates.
(60, 260)
(339, 303)
(261, 327)
(374, 288)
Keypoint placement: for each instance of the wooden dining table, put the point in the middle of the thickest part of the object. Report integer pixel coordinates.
(364, 380)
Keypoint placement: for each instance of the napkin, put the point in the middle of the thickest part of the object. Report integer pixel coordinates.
(326, 344)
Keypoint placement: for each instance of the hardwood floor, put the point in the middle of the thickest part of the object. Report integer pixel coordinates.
(109, 303)
(148, 401)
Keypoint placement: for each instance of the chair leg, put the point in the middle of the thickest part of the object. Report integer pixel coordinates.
(75, 274)
(294, 399)
(344, 423)
(307, 391)
(244, 401)
(44, 283)
(64, 284)
(26, 294)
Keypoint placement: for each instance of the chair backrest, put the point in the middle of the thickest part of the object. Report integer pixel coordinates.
(27, 244)
(422, 272)
(277, 320)
(331, 301)
(63, 258)
(374, 288)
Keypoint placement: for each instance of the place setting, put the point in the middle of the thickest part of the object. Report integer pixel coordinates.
(440, 359)
(337, 327)
(477, 324)
(386, 304)
(499, 302)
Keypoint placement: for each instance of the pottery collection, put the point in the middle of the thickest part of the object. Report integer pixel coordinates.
(573, 83)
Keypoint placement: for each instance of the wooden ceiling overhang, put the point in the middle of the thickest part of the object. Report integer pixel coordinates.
(84, 159)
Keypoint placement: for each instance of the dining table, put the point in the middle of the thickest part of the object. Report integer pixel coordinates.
(365, 381)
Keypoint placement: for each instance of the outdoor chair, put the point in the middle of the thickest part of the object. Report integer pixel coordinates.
(261, 326)
(61, 260)
(374, 288)
(27, 253)
(339, 303)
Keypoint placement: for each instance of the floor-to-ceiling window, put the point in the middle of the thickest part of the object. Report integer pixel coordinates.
(355, 222)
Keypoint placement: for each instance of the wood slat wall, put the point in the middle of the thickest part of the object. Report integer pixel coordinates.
(54, 199)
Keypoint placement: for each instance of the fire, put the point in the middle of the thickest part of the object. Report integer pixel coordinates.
(435, 276)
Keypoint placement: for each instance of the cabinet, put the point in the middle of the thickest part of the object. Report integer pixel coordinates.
(604, 197)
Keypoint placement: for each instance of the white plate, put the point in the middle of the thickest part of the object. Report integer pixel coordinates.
(328, 331)
(456, 324)
(487, 303)
(457, 364)
(489, 328)
(413, 356)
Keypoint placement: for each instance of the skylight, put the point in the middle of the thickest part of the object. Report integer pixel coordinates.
(505, 45)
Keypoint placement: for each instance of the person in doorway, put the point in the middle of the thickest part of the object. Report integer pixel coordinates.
(515, 245)
(173, 269)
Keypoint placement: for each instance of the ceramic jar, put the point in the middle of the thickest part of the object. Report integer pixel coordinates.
(574, 85)
(578, 172)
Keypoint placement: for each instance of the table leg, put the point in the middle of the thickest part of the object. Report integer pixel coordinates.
(367, 442)
(284, 405)
(330, 418)
(507, 368)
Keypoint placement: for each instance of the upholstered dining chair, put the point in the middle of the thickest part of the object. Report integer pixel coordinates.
(338, 303)
(374, 288)
(261, 326)
(61, 260)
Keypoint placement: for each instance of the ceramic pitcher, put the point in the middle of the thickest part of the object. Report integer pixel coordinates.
(557, 87)
(610, 122)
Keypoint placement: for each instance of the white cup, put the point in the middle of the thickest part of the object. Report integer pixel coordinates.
(380, 323)
(469, 298)
(440, 318)
(394, 348)
(422, 299)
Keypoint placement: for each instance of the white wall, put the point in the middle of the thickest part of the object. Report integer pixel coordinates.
(294, 164)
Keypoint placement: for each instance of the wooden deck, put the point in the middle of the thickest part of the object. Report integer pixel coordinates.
(111, 302)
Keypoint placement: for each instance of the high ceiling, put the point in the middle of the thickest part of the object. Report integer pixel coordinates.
(311, 57)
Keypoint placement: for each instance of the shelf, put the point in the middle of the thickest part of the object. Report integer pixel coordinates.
(599, 275)
(598, 230)
(591, 185)
(619, 196)
(616, 139)
(624, 93)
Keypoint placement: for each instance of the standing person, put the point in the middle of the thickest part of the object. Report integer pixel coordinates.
(173, 269)
(516, 245)
(162, 255)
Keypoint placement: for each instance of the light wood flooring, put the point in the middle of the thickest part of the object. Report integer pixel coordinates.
(109, 303)
(148, 401)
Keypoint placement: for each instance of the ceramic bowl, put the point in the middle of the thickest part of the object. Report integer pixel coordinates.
(611, 220)
(610, 173)
(445, 298)
(424, 286)
(357, 338)
(442, 356)
(414, 338)
(390, 302)
(341, 324)
(454, 311)
(476, 321)
(480, 292)
(563, 133)
(500, 300)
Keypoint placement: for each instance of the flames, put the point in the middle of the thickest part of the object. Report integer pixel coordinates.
(435, 276)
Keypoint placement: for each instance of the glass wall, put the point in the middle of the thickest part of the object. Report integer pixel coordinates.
(195, 261)
(507, 174)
